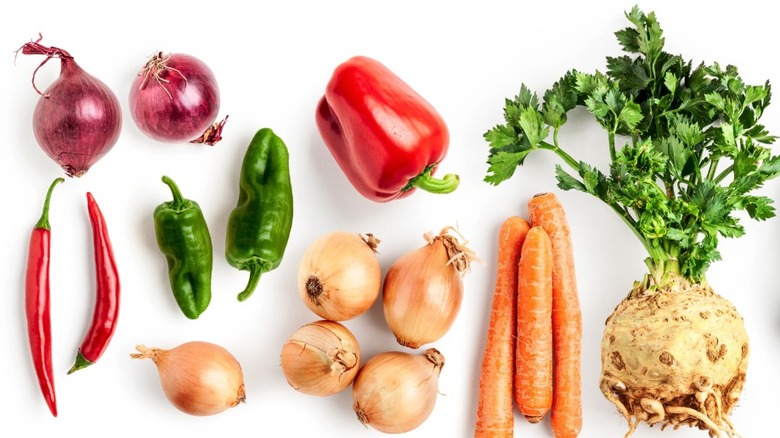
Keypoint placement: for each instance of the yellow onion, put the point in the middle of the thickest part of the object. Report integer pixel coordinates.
(339, 276)
(423, 289)
(198, 378)
(395, 392)
(321, 358)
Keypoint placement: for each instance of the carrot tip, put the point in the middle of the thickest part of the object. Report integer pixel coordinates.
(534, 418)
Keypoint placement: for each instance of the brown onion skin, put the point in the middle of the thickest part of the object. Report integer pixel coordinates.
(395, 391)
(422, 296)
(215, 385)
(321, 358)
(180, 109)
(339, 275)
(77, 120)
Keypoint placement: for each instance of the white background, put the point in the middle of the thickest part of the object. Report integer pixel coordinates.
(272, 61)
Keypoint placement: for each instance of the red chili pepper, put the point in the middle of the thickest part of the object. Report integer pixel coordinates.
(386, 138)
(37, 302)
(106, 312)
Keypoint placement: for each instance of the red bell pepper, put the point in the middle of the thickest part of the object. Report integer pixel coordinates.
(386, 138)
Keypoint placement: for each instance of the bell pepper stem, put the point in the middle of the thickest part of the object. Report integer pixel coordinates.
(426, 181)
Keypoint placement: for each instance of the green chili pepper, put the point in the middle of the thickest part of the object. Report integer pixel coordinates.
(184, 239)
(259, 226)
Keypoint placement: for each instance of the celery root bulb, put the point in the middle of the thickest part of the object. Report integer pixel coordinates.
(674, 356)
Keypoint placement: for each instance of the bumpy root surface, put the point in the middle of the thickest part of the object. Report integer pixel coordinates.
(675, 356)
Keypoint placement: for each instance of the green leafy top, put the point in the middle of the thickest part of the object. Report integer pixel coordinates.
(693, 148)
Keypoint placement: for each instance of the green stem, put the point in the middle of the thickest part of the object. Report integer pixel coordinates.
(43, 222)
(724, 174)
(655, 255)
(712, 168)
(425, 181)
(254, 278)
(612, 151)
(256, 267)
(634, 227)
(561, 153)
(664, 263)
(178, 203)
(569, 160)
(673, 252)
(656, 265)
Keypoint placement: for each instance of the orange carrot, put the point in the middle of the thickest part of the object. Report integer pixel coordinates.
(534, 353)
(495, 411)
(566, 414)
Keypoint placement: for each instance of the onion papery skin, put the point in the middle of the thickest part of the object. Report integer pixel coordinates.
(175, 103)
(339, 275)
(198, 378)
(321, 358)
(77, 120)
(422, 295)
(395, 392)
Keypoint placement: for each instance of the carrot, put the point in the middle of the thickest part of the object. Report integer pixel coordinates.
(546, 211)
(495, 411)
(534, 352)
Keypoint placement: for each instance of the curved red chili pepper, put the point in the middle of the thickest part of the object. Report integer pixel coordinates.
(37, 302)
(106, 312)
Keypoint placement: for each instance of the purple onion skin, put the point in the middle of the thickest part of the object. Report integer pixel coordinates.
(77, 120)
(179, 104)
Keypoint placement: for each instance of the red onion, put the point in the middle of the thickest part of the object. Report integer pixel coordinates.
(175, 99)
(77, 119)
